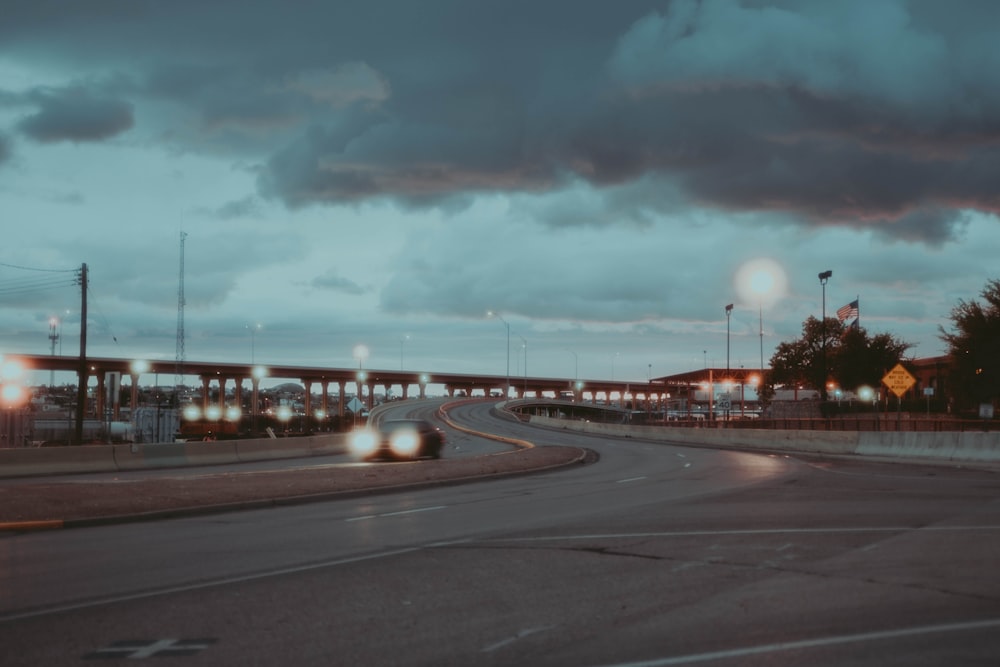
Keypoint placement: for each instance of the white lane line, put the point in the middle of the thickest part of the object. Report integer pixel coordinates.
(520, 635)
(630, 479)
(366, 517)
(813, 643)
(769, 531)
(227, 581)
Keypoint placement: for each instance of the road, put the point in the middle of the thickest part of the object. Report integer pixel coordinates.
(656, 555)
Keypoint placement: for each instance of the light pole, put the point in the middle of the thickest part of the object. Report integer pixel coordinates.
(253, 328)
(524, 346)
(360, 353)
(506, 395)
(729, 312)
(823, 277)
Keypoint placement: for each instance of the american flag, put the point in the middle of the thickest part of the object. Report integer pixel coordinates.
(848, 312)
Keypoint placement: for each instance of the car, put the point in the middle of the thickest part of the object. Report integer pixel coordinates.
(398, 440)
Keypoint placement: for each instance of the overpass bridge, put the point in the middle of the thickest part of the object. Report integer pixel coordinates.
(108, 370)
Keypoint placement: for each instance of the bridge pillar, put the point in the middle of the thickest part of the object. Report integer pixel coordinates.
(423, 389)
(238, 394)
(133, 401)
(205, 380)
(325, 404)
(308, 398)
(99, 402)
(254, 404)
(405, 388)
(343, 398)
(386, 388)
(370, 403)
(222, 395)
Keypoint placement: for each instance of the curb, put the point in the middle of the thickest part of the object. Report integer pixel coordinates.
(583, 457)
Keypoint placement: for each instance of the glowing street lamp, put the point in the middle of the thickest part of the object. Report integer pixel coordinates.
(136, 368)
(360, 353)
(762, 280)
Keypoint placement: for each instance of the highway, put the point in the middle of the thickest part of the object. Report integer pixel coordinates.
(655, 555)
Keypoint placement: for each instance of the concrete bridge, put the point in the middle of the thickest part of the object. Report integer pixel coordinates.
(108, 370)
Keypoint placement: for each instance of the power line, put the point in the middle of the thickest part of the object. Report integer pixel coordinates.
(31, 268)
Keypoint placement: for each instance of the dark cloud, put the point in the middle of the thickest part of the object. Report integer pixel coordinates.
(857, 113)
(6, 151)
(248, 207)
(74, 114)
(331, 280)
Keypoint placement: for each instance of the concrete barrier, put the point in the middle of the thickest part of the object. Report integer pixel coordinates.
(175, 454)
(951, 447)
(33, 461)
(28, 461)
(283, 448)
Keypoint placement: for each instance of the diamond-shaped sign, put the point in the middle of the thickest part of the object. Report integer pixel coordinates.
(898, 380)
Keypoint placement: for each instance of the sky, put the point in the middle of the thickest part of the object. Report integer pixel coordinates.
(605, 177)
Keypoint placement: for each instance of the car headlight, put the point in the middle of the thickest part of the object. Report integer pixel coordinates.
(363, 443)
(405, 443)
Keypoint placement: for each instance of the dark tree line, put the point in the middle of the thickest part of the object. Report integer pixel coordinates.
(850, 358)
(853, 358)
(974, 349)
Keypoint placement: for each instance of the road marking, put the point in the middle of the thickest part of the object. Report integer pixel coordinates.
(630, 479)
(227, 581)
(768, 531)
(813, 643)
(150, 648)
(366, 517)
(520, 635)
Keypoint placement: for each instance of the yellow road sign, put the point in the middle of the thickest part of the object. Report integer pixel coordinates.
(898, 380)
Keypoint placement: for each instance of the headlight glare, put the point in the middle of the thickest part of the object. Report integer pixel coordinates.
(405, 443)
(363, 442)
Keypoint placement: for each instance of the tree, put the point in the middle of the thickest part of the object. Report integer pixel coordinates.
(801, 361)
(974, 348)
(865, 361)
(852, 357)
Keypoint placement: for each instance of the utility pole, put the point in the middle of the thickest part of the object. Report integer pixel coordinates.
(81, 385)
(53, 339)
(179, 358)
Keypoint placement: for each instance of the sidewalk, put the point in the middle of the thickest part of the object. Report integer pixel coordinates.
(63, 502)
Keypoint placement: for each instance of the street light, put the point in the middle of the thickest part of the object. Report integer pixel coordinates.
(360, 353)
(823, 277)
(729, 312)
(524, 346)
(490, 313)
(253, 328)
(401, 341)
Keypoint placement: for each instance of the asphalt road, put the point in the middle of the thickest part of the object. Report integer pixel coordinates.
(656, 555)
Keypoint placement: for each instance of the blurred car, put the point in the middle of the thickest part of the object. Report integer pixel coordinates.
(398, 439)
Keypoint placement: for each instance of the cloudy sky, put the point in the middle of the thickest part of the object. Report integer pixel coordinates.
(606, 176)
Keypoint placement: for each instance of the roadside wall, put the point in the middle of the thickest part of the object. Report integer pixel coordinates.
(941, 447)
(28, 461)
